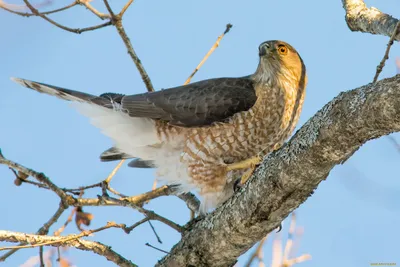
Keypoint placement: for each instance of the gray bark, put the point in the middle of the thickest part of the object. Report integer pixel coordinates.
(369, 20)
(287, 177)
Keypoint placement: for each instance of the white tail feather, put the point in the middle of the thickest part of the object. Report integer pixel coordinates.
(131, 135)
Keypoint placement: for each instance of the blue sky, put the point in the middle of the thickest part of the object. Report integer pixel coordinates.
(351, 220)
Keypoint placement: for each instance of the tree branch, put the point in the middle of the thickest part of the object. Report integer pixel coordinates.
(381, 65)
(38, 176)
(4, 6)
(37, 13)
(58, 241)
(44, 230)
(215, 45)
(288, 176)
(369, 20)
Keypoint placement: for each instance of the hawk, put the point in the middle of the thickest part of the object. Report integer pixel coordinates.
(205, 135)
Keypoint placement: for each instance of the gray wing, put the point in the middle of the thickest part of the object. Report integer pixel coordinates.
(196, 104)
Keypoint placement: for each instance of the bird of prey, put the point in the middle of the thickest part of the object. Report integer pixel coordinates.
(205, 135)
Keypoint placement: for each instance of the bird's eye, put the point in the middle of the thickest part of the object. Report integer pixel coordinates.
(282, 49)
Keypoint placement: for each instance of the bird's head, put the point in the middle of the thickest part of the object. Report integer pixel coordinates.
(279, 62)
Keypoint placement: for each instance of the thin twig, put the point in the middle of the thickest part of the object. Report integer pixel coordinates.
(25, 14)
(125, 8)
(159, 249)
(76, 30)
(69, 219)
(109, 8)
(115, 192)
(93, 10)
(289, 241)
(148, 213)
(155, 232)
(299, 259)
(41, 256)
(135, 58)
(386, 56)
(79, 190)
(114, 171)
(44, 230)
(59, 9)
(38, 176)
(216, 44)
(40, 185)
(133, 226)
(256, 252)
(117, 20)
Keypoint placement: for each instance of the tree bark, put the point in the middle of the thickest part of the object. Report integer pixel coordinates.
(288, 177)
(369, 20)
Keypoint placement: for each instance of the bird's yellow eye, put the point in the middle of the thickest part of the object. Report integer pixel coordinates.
(282, 49)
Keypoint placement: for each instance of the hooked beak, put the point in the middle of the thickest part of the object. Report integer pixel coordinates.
(264, 49)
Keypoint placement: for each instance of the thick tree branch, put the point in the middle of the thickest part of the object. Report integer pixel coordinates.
(287, 177)
(58, 241)
(369, 20)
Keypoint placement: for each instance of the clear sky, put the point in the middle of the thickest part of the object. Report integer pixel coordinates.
(351, 220)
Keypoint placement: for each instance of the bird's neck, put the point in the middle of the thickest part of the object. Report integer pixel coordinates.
(263, 75)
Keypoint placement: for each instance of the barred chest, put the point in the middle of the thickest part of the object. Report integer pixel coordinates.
(259, 130)
(266, 125)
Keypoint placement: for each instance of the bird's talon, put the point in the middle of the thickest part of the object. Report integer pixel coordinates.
(279, 228)
(245, 164)
(246, 176)
(237, 185)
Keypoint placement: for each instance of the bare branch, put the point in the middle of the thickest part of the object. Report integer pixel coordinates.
(109, 9)
(125, 8)
(79, 190)
(114, 171)
(117, 20)
(70, 241)
(37, 13)
(287, 177)
(370, 20)
(67, 238)
(93, 10)
(41, 256)
(216, 44)
(135, 58)
(155, 232)
(159, 249)
(192, 202)
(44, 230)
(148, 213)
(256, 252)
(38, 176)
(133, 226)
(24, 14)
(386, 56)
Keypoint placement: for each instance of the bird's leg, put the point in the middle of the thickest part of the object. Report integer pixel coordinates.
(250, 164)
